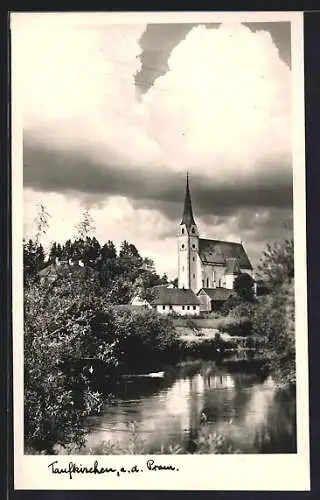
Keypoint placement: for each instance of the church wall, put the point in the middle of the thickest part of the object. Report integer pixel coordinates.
(183, 255)
(188, 246)
(229, 280)
(194, 247)
(212, 275)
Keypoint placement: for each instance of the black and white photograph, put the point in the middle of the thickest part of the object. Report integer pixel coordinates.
(159, 245)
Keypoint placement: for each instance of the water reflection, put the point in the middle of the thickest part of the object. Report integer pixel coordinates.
(252, 413)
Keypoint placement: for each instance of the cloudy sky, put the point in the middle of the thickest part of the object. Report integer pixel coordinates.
(114, 116)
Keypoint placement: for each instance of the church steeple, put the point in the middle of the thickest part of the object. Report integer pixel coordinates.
(187, 217)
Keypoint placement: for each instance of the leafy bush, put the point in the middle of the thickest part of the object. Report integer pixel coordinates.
(244, 286)
(274, 324)
(140, 339)
(57, 327)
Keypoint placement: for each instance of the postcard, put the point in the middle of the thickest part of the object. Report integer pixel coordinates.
(159, 251)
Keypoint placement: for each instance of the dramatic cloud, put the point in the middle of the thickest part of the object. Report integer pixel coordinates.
(221, 109)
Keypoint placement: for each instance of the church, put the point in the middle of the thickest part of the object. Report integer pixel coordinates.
(204, 263)
(206, 271)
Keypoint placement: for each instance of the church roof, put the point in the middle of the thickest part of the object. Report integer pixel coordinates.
(187, 217)
(218, 252)
(174, 296)
(217, 293)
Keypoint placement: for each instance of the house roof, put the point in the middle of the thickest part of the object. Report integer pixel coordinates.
(174, 296)
(218, 252)
(217, 293)
(232, 266)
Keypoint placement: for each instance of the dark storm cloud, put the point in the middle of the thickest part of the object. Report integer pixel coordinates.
(158, 41)
(158, 189)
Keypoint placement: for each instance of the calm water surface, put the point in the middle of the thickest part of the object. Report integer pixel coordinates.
(250, 411)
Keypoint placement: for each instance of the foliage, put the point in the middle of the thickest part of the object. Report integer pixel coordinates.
(33, 259)
(277, 263)
(58, 328)
(212, 443)
(140, 339)
(274, 324)
(85, 226)
(41, 221)
(244, 286)
(274, 321)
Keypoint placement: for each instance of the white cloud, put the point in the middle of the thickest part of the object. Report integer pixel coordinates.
(224, 104)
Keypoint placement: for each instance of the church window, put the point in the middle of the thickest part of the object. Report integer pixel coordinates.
(188, 307)
(194, 308)
(192, 259)
(193, 246)
(183, 307)
(202, 283)
(207, 282)
(194, 275)
(163, 307)
(182, 230)
(182, 246)
(193, 230)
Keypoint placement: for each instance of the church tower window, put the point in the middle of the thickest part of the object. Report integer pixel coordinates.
(193, 230)
(193, 246)
(207, 282)
(182, 230)
(182, 246)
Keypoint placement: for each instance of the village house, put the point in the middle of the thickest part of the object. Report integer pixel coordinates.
(167, 299)
(180, 301)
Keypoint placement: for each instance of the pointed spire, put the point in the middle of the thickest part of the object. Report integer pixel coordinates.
(187, 217)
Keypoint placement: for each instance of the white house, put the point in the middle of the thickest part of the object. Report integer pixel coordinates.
(179, 301)
(168, 300)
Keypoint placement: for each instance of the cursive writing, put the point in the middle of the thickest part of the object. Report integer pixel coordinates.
(73, 468)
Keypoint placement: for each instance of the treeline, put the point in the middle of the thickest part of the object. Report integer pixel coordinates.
(122, 274)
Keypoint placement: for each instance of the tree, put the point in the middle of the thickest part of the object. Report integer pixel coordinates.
(274, 324)
(59, 322)
(277, 263)
(42, 222)
(244, 286)
(86, 225)
(274, 321)
(55, 252)
(33, 259)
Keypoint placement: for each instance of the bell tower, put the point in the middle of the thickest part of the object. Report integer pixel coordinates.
(188, 246)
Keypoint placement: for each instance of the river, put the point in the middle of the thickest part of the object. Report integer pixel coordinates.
(249, 410)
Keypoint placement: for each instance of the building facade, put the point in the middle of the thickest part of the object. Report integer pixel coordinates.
(207, 263)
